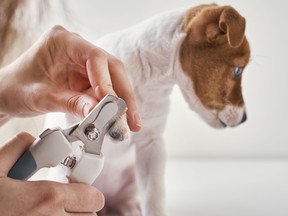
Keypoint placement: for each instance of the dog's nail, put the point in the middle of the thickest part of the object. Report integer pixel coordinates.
(115, 135)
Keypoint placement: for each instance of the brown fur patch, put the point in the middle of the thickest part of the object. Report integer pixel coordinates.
(214, 46)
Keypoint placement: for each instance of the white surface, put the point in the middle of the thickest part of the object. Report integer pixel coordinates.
(227, 187)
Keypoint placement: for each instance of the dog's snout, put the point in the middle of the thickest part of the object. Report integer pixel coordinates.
(244, 118)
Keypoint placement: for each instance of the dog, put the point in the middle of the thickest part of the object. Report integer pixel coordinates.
(204, 51)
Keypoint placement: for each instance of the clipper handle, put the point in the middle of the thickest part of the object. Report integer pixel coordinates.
(88, 168)
(48, 150)
(24, 167)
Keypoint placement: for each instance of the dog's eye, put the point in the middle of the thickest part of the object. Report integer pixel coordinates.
(237, 72)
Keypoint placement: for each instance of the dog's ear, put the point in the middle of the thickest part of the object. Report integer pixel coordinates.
(214, 24)
(233, 24)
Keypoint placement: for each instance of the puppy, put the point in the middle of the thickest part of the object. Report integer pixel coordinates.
(204, 51)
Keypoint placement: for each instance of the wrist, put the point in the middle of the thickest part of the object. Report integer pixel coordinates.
(13, 90)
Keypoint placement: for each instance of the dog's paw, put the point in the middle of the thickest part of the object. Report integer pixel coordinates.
(120, 130)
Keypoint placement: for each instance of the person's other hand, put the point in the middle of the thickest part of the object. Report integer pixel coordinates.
(41, 197)
(57, 72)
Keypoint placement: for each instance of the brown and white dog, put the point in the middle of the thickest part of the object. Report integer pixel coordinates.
(203, 50)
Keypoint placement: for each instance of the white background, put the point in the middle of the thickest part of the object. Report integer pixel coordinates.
(265, 86)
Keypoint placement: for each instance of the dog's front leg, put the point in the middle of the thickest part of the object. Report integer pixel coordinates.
(150, 163)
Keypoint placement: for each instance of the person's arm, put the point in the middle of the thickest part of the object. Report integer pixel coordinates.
(58, 72)
(41, 197)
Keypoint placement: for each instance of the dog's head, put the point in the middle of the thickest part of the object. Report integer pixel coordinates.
(213, 56)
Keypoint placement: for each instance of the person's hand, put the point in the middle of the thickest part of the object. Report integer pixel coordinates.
(41, 197)
(58, 72)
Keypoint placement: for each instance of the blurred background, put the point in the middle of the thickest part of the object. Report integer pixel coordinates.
(230, 172)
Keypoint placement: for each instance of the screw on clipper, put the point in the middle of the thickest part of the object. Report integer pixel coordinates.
(91, 132)
(69, 162)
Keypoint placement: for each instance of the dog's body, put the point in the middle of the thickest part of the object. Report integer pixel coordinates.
(203, 50)
(149, 52)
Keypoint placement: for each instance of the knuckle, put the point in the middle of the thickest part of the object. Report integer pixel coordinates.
(116, 62)
(52, 194)
(99, 54)
(106, 85)
(72, 104)
(129, 95)
(54, 35)
(107, 88)
(24, 137)
(57, 28)
(55, 31)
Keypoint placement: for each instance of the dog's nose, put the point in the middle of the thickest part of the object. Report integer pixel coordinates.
(244, 117)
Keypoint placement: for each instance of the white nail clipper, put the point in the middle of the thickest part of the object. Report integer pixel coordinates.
(54, 145)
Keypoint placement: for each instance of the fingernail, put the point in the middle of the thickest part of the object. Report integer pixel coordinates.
(98, 92)
(86, 109)
(137, 120)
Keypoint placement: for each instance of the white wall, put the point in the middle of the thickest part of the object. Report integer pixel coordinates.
(265, 80)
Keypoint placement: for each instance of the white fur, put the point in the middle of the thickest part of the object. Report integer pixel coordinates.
(231, 115)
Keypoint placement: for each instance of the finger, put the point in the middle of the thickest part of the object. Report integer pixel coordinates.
(123, 88)
(94, 59)
(13, 149)
(83, 198)
(98, 72)
(100, 67)
(82, 214)
(73, 102)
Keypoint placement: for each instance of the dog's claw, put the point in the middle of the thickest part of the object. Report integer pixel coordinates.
(116, 135)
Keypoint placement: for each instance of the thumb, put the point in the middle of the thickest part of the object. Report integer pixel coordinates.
(75, 103)
(13, 149)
